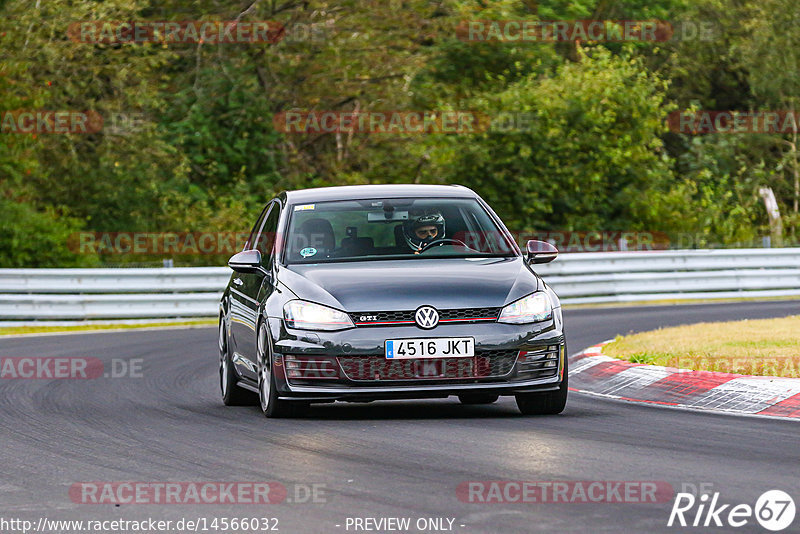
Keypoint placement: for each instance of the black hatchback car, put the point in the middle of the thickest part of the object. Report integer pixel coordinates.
(361, 293)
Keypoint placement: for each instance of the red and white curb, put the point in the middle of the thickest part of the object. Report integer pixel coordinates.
(594, 373)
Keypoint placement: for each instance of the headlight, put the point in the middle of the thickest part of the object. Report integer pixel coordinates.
(531, 309)
(310, 316)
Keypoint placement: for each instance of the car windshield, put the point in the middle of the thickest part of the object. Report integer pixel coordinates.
(397, 228)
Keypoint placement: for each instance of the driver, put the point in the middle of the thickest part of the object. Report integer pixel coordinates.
(422, 230)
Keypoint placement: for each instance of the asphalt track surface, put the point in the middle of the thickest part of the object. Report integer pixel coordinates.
(385, 459)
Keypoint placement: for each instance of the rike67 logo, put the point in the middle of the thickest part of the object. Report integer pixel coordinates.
(774, 510)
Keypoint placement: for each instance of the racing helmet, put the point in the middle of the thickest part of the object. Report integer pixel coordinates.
(414, 223)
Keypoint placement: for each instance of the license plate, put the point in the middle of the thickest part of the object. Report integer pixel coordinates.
(440, 347)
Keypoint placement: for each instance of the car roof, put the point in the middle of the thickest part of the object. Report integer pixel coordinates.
(361, 192)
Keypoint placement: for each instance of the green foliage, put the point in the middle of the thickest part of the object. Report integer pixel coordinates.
(715, 200)
(592, 147)
(189, 142)
(30, 237)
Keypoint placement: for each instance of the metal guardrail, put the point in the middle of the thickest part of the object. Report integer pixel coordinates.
(608, 277)
(87, 294)
(605, 277)
(150, 280)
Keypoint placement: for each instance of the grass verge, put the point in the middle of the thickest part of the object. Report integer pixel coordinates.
(16, 330)
(765, 347)
(672, 302)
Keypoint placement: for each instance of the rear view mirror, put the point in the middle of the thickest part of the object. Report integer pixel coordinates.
(374, 216)
(540, 252)
(246, 261)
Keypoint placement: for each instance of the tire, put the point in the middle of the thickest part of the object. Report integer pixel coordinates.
(550, 403)
(478, 398)
(232, 394)
(271, 405)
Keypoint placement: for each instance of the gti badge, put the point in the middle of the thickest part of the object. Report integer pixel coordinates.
(426, 317)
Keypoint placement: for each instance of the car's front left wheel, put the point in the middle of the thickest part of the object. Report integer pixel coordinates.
(271, 404)
(550, 403)
(232, 394)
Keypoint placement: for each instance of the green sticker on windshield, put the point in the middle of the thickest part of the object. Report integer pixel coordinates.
(309, 251)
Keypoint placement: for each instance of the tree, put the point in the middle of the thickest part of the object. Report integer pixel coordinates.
(592, 150)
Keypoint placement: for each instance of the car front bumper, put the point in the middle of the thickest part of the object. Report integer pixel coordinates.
(508, 362)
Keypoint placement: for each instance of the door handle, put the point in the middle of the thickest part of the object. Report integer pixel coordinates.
(238, 281)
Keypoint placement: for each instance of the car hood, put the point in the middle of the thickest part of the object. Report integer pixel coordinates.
(395, 285)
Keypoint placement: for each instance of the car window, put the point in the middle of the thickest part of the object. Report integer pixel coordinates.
(266, 238)
(392, 228)
(251, 239)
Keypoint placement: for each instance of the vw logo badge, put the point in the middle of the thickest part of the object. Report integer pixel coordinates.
(426, 317)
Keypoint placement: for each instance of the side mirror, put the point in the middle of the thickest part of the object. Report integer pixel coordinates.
(246, 261)
(540, 252)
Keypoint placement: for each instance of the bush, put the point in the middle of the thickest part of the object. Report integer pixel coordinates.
(32, 238)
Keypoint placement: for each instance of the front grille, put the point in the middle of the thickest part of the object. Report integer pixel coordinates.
(469, 314)
(486, 364)
(541, 362)
(382, 318)
(399, 318)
